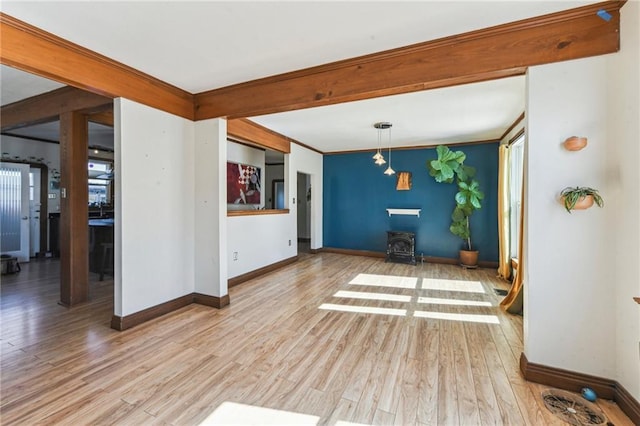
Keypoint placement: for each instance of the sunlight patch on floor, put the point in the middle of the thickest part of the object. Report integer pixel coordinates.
(457, 302)
(385, 281)
(487, 319)
(233, 413)
(363, 309)
(452, 285)
(372, 296)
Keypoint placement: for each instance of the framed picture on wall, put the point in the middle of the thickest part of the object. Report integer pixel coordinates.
(404, 181)
(243, 184)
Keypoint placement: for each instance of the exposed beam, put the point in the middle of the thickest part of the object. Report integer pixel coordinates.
(31, 49)
(249, 131)
(490, 53)
(48, 107)
(105, 118)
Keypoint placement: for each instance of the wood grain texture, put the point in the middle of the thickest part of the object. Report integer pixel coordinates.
(105, 117)
(48, 106)
(251, 131)
(66, 366)
(235, 213)
(31, 49)
(481, 55)
(74, 209)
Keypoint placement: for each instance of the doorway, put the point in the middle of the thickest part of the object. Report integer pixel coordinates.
(14, 206)
(304, 212)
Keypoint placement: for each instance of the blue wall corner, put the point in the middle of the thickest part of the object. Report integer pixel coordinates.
(357, 194)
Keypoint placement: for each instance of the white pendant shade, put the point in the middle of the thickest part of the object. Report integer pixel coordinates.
(389, 171)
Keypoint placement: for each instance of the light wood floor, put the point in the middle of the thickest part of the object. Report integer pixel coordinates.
(286, 343)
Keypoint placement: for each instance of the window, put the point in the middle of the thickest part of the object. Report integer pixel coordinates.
(516, 170)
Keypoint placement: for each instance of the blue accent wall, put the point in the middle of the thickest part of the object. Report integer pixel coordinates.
(357, 194)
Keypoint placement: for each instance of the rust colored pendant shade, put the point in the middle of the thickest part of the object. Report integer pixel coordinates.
(575, 143)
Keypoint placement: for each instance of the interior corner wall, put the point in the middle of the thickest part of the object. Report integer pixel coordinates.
(623, 198)
(154, 206)
(261, 240)
(569, 303)
(210, 207)
(306, 161)
(355, 188)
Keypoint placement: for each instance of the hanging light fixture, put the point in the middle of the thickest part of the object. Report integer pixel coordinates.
(378, 157)
(389, 170)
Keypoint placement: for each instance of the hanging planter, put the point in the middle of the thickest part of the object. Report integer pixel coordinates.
(575, 143)
(580, 198)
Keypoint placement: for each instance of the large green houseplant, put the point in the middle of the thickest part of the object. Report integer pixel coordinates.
(450, 167)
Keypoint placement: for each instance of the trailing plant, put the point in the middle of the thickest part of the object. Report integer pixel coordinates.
(449, 166)
(570, 196)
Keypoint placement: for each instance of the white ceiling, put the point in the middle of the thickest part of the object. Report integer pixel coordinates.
(202, 45)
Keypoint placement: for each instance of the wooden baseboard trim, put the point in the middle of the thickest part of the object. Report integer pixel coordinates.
(573, 381)
(627, 403)
(213, 301)
(427, 259)
(315, 251)
(128, 321)
(232, 282)
(353, 252)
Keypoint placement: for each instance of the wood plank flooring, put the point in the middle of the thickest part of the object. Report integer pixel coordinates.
(328, 339)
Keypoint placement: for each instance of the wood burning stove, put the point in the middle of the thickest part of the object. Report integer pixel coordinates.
(401, 247)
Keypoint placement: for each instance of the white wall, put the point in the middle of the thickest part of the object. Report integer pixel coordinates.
(304, 160)
(211, 207)
(569, 287)
(25, 148)
(243, 154)
(623, 200)
(262, 240)
(154, 206)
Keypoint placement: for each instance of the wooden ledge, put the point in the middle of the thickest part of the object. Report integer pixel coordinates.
(231, 213)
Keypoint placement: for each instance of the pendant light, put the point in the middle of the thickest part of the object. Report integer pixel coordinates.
(378, 157)
(389, 170)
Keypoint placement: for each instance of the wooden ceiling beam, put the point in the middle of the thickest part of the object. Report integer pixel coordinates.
(33, 50)
(481, 55)
(49, 106)
(105, 118)
(249, 131)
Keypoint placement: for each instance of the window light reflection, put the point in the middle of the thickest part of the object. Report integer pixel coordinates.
(363, 309)
(233, 413)
(487, 319)
(457, 302)
(385, 281)
(452, 285)
(373, 296)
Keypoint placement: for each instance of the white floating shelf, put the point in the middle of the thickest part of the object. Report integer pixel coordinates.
(410, 212)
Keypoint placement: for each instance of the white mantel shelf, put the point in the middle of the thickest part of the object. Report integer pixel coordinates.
(411, 212)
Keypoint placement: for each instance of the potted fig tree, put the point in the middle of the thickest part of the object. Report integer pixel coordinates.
(450, 167)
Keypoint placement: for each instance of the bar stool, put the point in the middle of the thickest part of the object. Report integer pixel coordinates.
(107, 259)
